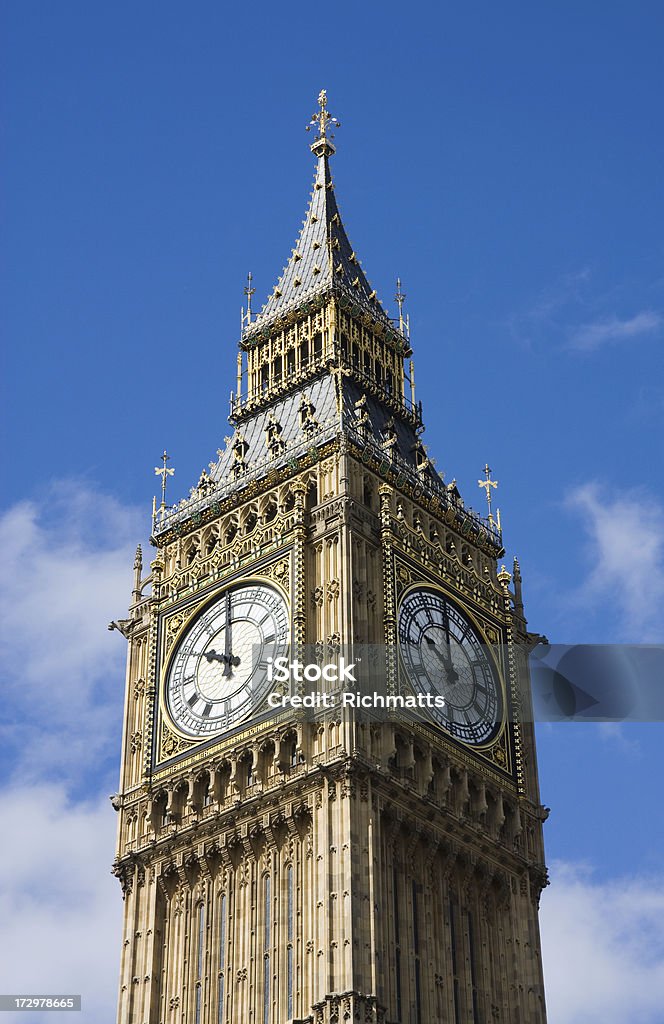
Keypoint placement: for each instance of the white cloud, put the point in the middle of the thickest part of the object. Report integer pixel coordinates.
(60, 908)
(607, 330)
(544, 320)
(626, 553)
(603, 948)
(68, 572)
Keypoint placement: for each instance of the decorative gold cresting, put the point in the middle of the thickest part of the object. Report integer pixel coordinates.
(487, 484)
(322, 120)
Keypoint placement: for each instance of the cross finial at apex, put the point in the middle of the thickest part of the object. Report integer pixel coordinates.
(164, 472)
(321, 119)
(487, 484)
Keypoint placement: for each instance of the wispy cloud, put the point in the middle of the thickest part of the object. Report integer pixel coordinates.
(545, 319)
(67, 574)
(625, 547)
(611, 330)
(603, 948)
(68, 565)
(575, 314)
(60, 908)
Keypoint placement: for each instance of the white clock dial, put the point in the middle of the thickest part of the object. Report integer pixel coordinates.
(442, 653)
(218, 673)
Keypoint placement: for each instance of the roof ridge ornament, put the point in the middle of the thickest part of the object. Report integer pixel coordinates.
(322, 120)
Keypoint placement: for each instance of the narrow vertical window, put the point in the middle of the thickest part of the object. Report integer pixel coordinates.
(222, 959)
(266, 950)
(199, 961)
(473, 967)
(397, 941)
(289, 936)
(416, 950)
(455, 960)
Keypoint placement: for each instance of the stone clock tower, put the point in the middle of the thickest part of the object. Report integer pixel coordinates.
(282, 867)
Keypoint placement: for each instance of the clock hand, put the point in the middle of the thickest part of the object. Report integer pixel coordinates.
(450, 671)
(224, 659)
(230, 661)
(446, 622)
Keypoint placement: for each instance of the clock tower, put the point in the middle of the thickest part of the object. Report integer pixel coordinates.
(282, 865)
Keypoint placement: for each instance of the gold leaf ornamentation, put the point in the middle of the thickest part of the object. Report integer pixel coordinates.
(170, 743)
(278, 571)
(172, 628)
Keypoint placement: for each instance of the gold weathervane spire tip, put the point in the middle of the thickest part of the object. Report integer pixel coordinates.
(322, 120)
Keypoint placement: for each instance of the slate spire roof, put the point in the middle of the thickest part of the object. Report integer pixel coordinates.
(323, 259)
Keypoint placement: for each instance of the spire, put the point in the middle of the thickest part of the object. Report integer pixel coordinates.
(323, 259)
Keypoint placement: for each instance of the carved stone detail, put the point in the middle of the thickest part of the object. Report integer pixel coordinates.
(170, 743)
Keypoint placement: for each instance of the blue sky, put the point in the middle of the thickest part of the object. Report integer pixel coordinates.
(506, 162)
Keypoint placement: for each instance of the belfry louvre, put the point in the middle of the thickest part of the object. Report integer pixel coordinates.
(292, 867)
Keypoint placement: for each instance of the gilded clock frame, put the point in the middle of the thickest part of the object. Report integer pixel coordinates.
(188, 609)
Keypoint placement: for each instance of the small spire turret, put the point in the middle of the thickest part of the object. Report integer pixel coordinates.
(245, 316)
(400, 298)
(516, 579)
(138, 570)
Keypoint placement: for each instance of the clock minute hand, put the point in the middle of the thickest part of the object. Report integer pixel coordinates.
(229, 659)
(450, 671)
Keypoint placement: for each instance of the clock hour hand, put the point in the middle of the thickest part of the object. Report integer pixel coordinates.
(450, 671)
(229, 660)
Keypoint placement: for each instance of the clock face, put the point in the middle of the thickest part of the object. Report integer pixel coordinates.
(218, 673)
(442, 653)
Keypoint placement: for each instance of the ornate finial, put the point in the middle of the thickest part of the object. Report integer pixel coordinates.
(322, 120)
(249, 291)
(164, 472)
(138, 569)
(487, 484)
(504, 576)
(400, 298)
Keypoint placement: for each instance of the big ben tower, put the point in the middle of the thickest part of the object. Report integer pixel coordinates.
(286, 866)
